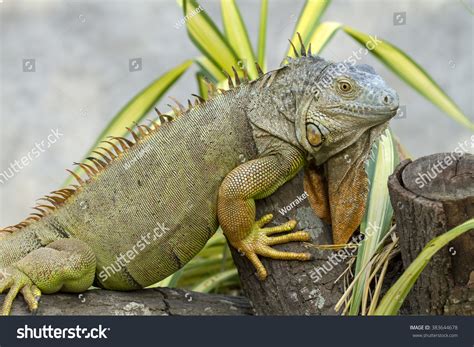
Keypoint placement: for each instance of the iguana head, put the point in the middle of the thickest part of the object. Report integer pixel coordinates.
(345, 101)
(334, 112)
(340, 112)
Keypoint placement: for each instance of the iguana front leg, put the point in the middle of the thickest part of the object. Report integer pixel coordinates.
(68, 265)
(257, 179)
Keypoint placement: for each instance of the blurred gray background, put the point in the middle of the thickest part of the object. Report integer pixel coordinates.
(82, 78)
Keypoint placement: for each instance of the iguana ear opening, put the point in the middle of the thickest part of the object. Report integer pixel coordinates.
(338, 191)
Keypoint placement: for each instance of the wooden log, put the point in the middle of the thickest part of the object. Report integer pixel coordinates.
(145, 302)
(431, 196)
(293, 287)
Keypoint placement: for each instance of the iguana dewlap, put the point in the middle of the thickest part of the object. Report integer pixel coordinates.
(149, 205)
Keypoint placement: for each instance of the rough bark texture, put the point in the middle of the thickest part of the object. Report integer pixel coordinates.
(292, 287)
(430, 198)
(156, 301)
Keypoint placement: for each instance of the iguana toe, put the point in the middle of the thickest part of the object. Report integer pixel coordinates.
(16, 281)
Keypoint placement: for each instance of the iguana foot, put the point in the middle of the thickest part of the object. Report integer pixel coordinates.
(258, 242)
(16, 281)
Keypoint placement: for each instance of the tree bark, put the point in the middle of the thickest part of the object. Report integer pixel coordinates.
(291, 287)
(155, 301)
(431, 196)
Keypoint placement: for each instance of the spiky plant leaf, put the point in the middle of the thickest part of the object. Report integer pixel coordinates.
(378, 215)
(210, 68)
(394, 298)
(202, 84)
(308, 21)
(262, 35)
(207, 37)
(237, 36)
(323, 33)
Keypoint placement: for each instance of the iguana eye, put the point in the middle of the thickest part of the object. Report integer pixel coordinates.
(344, 86)
(314, 135)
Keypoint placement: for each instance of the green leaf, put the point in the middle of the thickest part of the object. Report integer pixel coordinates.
(207, 37)
(394, 298)
(262, 35)
(413, 74)
(138, 107)
(237, 36)
(210, 68)
(170, 281)
(378, 215)
(322, 35)
(213, 281)
(202, 84)
(308, 21)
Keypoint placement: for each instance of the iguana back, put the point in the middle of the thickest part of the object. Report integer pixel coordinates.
(154, 207)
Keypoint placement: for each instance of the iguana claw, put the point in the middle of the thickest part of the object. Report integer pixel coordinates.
(16, 281)
(258, 242)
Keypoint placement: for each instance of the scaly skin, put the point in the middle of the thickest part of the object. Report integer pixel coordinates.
(201, 170)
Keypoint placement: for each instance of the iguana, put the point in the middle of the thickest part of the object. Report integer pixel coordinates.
(201, 168)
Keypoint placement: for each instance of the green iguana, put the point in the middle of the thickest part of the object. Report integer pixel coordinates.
(203, 168)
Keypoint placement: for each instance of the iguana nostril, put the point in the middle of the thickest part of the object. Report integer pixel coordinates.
(386, 99)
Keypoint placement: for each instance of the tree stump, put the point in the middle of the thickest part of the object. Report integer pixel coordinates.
(292, 287)
(431, 196)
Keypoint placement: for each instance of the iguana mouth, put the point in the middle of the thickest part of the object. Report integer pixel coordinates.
(391, 112)
(360, 111)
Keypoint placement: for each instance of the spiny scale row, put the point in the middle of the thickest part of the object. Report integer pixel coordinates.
(119, 145)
